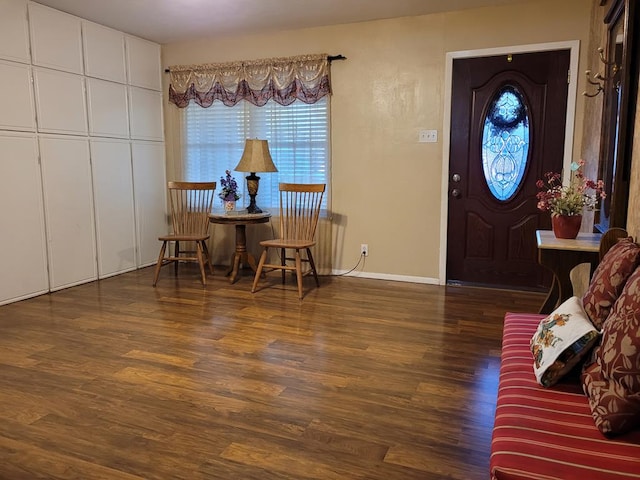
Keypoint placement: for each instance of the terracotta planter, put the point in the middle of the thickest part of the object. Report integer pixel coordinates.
(566, 226)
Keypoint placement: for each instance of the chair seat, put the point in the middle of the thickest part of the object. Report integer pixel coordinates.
(183, 238)
(284, 243)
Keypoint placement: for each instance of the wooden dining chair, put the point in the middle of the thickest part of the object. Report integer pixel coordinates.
(190, 204)
(299, 213)
(610, 238)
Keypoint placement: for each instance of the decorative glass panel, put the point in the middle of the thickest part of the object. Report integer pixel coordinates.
(505, 143)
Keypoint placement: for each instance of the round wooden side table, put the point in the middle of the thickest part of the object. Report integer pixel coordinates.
(241, 255)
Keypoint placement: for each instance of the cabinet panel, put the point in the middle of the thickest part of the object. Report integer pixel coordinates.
(149, 186)
(107, 105)
(16, 97)
(113, 196)
(55, 39)
(14, 31)
(60, 102)
(23, 243)
(145, 114)
(68, 205)
(103, 52)
(143, 63)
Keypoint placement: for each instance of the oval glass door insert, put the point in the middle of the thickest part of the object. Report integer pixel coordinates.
(505, 143)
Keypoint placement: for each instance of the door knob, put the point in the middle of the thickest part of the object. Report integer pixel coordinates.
(455, 192)
(455, 177)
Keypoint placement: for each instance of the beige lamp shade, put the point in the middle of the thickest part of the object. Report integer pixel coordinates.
(256, 157)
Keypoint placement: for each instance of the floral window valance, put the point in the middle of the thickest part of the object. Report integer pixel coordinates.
(284, 80)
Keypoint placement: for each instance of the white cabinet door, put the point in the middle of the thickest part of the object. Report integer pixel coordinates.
(56, 39)
(23, 242)
(16, 97)
(14, 31)
(60, 102)
(149, 186)
(143, 63)
(103, 52)
(145, 114)
(113, 196)
(68, 204)
(107, 108)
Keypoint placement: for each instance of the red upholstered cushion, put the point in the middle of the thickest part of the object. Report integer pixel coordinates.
(548, 433)
(612, 382)
(609, 279)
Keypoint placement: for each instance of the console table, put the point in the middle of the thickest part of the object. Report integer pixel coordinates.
(240, 220)
(560, 256)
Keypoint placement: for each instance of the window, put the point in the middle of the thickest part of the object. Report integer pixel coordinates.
(505, 143)
(298, 136)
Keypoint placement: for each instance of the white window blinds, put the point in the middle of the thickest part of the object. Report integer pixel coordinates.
(298, 136)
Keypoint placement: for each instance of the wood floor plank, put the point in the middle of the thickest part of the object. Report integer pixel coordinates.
(363, 379)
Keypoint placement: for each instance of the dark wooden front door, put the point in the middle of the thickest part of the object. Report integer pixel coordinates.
(492, 213)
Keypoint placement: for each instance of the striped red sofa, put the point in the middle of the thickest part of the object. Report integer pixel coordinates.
(549, 433)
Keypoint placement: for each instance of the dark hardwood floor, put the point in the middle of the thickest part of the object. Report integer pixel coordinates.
(363, 379)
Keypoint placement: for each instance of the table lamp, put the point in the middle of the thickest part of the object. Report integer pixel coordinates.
(255, 158)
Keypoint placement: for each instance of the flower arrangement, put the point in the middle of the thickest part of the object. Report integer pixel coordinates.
(229, 185)
(572, 199)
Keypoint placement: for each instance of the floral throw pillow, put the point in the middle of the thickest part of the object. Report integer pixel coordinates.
(612, 382)
(561, 341)
(609, 279)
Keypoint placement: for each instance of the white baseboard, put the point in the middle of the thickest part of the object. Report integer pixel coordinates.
(387, 276)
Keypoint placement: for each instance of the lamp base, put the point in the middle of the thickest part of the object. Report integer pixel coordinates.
(253, 181)
(253, 208)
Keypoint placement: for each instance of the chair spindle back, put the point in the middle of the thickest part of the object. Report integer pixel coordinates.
(191, 203)
(610, 238)
(300, 209)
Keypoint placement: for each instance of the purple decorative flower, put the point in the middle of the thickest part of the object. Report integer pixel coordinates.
(229, 188)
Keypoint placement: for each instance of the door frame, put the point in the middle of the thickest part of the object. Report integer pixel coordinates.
(574, 47)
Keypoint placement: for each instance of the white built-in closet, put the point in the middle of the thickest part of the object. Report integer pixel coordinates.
(82, 185)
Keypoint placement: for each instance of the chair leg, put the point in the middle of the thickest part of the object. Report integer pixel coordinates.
(207, 256)
(313, 266)
(177, 255)
(299, 273)
(283, 262)
(203, 275)
(159, 264)
(263, 258)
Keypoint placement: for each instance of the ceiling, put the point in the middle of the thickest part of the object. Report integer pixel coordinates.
(168, 21)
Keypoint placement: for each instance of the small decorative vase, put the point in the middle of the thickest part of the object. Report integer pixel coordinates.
(229, 205)
(566, 226)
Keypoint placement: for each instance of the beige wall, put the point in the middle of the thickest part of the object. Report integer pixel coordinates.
(592, 117)
(386, 185)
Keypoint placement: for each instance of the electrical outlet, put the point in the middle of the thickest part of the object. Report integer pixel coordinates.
(428, 136)
(364, 249)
